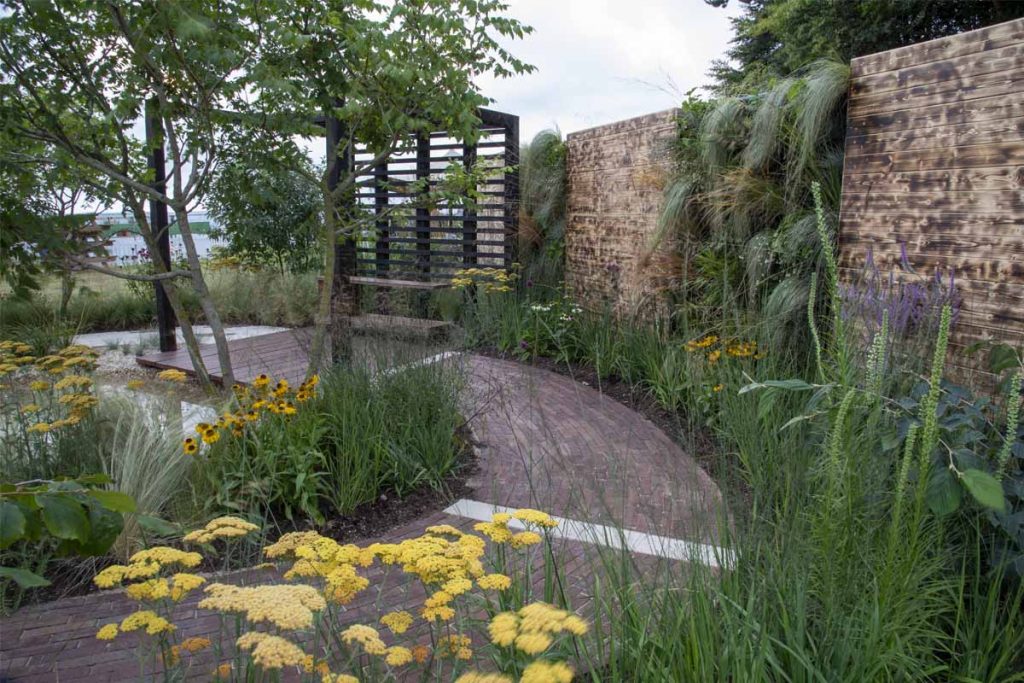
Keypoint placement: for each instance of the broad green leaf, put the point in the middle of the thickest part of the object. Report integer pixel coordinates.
(985, 488)
(1002, 357)
(105, 526)
(23, 577)
(943, 495)
(64, 517)
(114, 500)
(12, 524)
(155, 525)
(97, 479)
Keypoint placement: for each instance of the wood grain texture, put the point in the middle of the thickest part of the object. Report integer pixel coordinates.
(934, 175)
(616, 176)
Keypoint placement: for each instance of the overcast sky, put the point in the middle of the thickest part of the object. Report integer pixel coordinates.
(600, 61)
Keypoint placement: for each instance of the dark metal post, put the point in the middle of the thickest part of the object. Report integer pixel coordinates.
(469, 246)
(422, 211)
(380, 209)
(511, 189)
(344, 294)
(165, 319)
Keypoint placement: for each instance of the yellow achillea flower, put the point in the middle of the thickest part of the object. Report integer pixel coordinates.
(420, 653)
(537, 517)
(443, 530)
(338, 678)
(286, 546)
(504, 628)
(701, 343)
(457, 586)
(398, 656)
(455, 646)
(134, 384)
(164, 555)
(183, 584)
(147, 619)
(30, 408)
(498, 533)
(397, 622)
(172, 375)
(39, 428)
(222, 670)
(310, 665)
(195, 644)
(285, 606)
(221, 527)
(525, 538)
(542, 671)
(153, 589)
(77, 381)
(367, 636)
(108, 632)
(271, 652)
(39, 385)
(498, 582)
(714, 356)
(477, 677)
(533, 642)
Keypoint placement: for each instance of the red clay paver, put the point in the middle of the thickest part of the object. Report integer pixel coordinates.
(544, 441)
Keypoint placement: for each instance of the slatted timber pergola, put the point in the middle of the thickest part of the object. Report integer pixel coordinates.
(412, 245)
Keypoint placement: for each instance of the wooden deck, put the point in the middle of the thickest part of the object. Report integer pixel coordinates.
(286, 354)
(279, 354)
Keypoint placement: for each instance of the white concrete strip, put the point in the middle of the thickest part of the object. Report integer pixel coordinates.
(436, 358)
(610, 537)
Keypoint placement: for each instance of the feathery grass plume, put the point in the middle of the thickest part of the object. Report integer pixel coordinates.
(816, 103)
(720, 133)
(766, 129)
(542, 207)
(1012, 420)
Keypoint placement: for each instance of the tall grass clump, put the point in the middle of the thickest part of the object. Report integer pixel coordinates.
(542, 208)
(289, 454)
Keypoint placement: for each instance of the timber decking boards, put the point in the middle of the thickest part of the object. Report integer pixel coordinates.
(279, 354)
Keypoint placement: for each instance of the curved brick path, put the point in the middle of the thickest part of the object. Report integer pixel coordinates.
(544, 441)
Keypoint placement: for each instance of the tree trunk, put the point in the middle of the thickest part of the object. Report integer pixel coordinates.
(205, 300)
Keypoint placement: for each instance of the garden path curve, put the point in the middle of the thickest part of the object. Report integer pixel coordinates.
(543, 441)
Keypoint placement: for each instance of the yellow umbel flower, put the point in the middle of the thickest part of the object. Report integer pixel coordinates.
(397, 622)
(153, 589)
(367, 636)
(39, 385)
(497, 582)
(525, 538)
(221, 527)
(398, 656)
(195, 644)
(271, 652)
(147, 619)
(504, 628)
(455, 646)
(542, 671)
(171, 375)
(287, 607)
(536, 517)
(164, 556)
(135, 384)
(108, 632)
(39, 428)
(183, 584)
(338, 678)
(477, 677)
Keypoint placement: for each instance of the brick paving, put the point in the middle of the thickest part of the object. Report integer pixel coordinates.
(544, 441)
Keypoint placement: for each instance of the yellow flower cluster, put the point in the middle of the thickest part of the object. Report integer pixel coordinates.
(146, 564)
(497, 529)
(221, 527)
(492, 280)
(287, 607)
(455, 647)
(398, 622)
(147, 620)
(172, 375)
(67, 401)
(252, 403)
(366, 636)
(732, 348)
(269, 651)
(533, 628)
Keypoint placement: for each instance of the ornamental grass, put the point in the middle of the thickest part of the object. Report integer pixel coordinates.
(479, 620)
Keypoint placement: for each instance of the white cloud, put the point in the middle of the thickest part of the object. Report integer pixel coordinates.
(600, 61)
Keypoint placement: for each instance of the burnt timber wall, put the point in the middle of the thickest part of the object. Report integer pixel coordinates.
(935, 162)
(616, 178)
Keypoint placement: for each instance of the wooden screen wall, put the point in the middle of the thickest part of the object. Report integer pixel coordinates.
(616, 180)
(431, 242)
(935, 166)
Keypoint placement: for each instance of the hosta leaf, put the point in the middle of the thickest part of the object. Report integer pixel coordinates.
(114, 500)
(12, 524)
(64, 517)
(943, 494)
